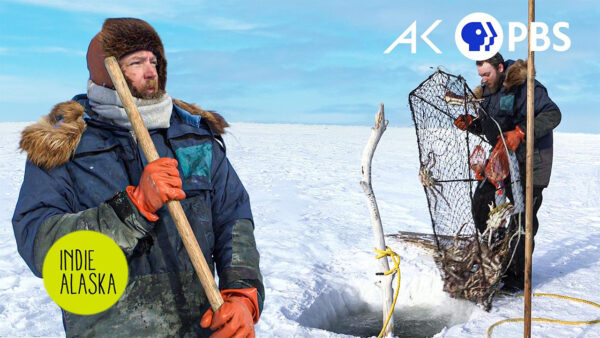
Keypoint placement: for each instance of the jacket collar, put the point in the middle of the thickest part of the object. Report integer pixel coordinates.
(55, 138)
(183, 122)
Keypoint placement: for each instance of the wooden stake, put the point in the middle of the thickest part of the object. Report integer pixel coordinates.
(529, 178)
(177, 213)
(367, 157)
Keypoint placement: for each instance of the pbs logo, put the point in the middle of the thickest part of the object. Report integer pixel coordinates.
(478, 36)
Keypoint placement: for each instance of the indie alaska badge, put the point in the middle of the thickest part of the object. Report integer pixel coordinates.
(85, 272)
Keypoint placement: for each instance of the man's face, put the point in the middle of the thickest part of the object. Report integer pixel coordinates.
(140, 72)
(490, 75)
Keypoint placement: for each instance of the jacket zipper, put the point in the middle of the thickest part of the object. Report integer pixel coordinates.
(136, 153)
(132, 133)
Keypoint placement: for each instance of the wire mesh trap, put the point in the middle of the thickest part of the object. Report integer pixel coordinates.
(471, 263)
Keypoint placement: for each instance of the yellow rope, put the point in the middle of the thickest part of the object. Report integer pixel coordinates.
(550, 320)
(396, 269)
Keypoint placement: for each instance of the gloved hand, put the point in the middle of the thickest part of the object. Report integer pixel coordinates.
(159, 183)
(513, 138)
(463, 122)
(237, 315)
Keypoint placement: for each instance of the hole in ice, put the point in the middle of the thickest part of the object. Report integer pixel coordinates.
(358, 313)
(412, 321)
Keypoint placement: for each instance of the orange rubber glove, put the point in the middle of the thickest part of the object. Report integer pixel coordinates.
(237, 315)
(463, 122)
(513, 138)
(159, 183)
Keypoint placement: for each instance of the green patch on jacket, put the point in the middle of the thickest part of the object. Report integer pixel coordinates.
(195, 160)
(507, 102)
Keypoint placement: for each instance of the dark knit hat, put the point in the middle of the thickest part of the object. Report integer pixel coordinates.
(122, 36)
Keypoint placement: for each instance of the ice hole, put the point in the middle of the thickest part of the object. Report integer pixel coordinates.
(357, 311)
(411, 321)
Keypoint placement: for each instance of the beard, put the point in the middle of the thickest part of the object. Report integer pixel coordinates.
(143, 93)
(495, 86)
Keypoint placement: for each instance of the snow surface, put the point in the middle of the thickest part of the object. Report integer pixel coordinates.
(316, 242)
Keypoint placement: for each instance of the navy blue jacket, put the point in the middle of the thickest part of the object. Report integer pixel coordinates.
(508, 107)
(87, 193)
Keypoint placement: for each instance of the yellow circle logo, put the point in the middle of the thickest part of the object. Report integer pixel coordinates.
(85, 272)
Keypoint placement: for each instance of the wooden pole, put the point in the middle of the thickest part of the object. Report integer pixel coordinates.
(177, 213)
(529, 179)
(386, 281)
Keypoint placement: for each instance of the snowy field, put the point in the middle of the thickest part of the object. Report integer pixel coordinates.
(316, 242)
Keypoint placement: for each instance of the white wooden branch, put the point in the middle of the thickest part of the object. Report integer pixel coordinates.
(367, 157)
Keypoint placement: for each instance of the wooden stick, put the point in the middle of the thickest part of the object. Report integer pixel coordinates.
(529, 178)
(177, 213)
(367, 156)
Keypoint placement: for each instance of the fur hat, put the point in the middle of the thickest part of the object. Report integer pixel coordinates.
(119, 37)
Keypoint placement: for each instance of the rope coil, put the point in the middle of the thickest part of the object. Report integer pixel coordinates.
(550, 320)
(396, 269)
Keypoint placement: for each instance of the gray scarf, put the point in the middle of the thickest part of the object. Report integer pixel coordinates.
(106, 103)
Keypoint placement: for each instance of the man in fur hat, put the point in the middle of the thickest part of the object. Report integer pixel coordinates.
(504, 90)
(85, 171)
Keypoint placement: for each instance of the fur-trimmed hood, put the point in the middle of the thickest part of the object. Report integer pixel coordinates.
(515, 75)
(52, 140)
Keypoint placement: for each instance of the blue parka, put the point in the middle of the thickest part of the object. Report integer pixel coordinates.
(163, 296)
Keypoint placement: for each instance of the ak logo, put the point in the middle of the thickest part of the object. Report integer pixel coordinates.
(479, 36)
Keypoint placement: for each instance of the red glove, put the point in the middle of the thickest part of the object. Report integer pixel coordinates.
(159, 183)
(237, 315)
(463, 122)
(513, 138)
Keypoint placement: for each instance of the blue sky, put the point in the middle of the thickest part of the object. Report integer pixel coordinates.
(288, 61)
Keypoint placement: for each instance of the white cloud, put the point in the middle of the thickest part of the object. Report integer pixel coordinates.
(228, 24)
(17, 89)
(41, 50)
(422, 69)
(109, 7)
(157, 9)
(55, 49)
